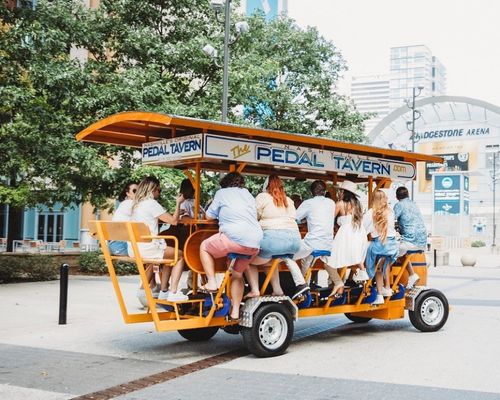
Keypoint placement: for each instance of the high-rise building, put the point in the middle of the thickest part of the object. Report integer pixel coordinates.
(270, 8)
(415, 66)
(410, 66)
(371, 95)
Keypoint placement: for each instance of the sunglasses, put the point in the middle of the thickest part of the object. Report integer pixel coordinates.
(134, 190)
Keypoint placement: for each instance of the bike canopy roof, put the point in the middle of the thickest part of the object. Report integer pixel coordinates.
(185, 143)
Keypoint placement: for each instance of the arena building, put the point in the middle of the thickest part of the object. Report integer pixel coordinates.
(466, 133)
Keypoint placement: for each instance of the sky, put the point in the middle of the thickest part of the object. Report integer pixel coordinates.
(463, 34)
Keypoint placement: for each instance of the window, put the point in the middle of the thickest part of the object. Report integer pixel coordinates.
(50, 227)
(27, 3)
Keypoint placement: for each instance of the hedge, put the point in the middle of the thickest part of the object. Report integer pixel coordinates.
(92, 262)
(45, 267)
(28, 267)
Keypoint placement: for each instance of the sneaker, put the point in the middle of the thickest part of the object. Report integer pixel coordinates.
(300, 289)
(379, 300)
(386, 292)
(177, 296)
(360, 276)
(412, 279)
(163, 295)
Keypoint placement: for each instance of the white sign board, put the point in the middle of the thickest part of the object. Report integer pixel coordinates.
(174, 149)
(277, 154)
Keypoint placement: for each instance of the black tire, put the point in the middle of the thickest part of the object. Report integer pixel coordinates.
(431, 311)
(199, 334)
(271, 332)
(355, 318)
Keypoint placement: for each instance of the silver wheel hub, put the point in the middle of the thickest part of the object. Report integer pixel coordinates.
(432, 311)
(273, 330)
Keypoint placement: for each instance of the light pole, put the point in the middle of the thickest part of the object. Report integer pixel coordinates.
(494, 179)
(415, 114)
(241, 27)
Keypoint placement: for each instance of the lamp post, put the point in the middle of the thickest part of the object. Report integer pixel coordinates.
(415, 114)
(495, 177)
(241, 27)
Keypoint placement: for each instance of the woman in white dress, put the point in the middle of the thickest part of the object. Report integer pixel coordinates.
(147, 210)
(350, 242)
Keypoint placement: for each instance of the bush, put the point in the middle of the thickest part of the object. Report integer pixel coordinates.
(28, 267)
(477, 243)
(92, 262)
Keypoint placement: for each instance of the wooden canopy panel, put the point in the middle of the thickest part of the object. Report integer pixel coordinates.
(135, 128)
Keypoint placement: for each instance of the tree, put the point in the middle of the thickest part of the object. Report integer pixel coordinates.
(145, 55)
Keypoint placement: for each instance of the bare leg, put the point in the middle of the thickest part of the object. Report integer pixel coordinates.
(176, 269)
(149, 274)
(252, 275)
(165, 278)
(209, 266)
(387, 280)
(236, 294)
(379, 281)
(338, 283)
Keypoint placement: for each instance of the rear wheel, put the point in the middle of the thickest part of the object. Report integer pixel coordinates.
(271, 332)
(431, 311)
(199, 334)
(355, 318)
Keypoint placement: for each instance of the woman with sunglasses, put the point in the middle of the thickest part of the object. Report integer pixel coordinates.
(123, 213)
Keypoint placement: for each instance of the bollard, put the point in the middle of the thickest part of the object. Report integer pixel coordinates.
(435, 258)
(63, 293)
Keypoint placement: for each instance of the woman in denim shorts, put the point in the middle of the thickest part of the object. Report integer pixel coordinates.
(276, 215)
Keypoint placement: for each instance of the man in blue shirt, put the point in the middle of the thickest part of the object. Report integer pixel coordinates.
(411, 227)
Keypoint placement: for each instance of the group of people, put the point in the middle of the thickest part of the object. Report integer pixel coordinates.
(257, 229)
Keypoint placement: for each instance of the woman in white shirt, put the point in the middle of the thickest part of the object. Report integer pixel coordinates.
(123, 213)
(276, 215)
(147, 210)
(379, 222)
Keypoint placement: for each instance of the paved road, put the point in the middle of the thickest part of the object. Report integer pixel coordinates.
(330, 358)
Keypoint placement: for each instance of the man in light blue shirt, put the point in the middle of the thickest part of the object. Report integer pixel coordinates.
(239, 232)
(411, 227)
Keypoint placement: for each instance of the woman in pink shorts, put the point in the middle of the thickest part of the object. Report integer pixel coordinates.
(239, 232)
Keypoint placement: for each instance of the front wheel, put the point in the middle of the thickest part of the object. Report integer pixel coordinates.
(271, 332)
(199, 334)
(431, 311)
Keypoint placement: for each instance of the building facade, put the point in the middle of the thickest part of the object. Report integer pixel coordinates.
(410, 67)
(466, 133)
(371, 95)
(414, 66)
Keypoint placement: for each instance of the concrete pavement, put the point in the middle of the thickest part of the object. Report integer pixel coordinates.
(386, 359)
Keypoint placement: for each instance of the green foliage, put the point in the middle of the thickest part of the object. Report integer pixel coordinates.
(146, 55)
(477, 243)
(28, 267)
(92, 262)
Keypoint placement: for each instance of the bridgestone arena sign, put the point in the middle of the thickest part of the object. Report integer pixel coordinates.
(452, 133)
(274, 154)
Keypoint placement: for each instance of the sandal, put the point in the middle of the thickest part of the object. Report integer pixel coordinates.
(231, 319)
(202, 288)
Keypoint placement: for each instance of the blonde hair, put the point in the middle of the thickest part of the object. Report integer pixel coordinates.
(145, 190)
(380, 209)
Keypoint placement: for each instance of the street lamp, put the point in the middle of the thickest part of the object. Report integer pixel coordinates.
(240, 27)
(495, 177)
(415, 114)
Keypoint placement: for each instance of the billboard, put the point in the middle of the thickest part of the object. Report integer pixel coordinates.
(458, 156)
(447, 194)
